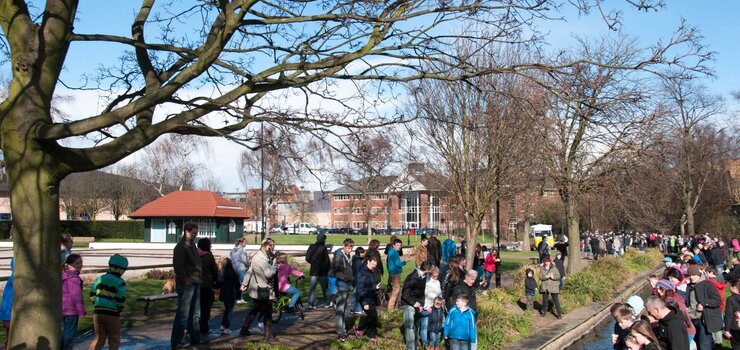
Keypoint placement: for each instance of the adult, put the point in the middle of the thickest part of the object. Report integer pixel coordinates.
(560, 264)
(367, 285)
(490, 265)
(671, 329)
(209, 277)
(435, 249)
(717, 259)
(463, 245)
(65, 247)
(703, 303)
(549, 285)
(421, 253)
(395, 267)
(258, 282)
(448, 249)
(239, 260)
(412, 301)
(466, 286)
(341, 269)
(318, 257)
(735, 247)
(562, 247)
(188, 278)
(543, 249)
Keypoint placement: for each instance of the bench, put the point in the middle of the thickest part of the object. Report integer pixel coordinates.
(83, 239)
(535, 261)
(156, 297)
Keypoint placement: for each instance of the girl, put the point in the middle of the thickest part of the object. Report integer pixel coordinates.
(72, 304)
(228, 280)
(432, 291)
(285, 270)
(644, 336)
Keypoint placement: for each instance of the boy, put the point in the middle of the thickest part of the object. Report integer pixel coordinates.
(435, 323)
(459, 327)
(732, 315)
(530, 288)
(108, 293)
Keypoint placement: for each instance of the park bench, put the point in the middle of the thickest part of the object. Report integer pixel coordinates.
(535, 261)
(156, 297)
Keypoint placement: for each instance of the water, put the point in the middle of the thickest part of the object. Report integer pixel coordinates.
(599, 339)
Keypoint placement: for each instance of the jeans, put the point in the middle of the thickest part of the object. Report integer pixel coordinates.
(703, 339)
(720, 268)
(332, 285)
(411, 325)
(423, 323)
(69, 330)
(435, 338)
(187, 315)
(228, 312)
(295, 294)
(356, 307)
(456, 344)
(312, 290)
(341, 307)
(488, 279)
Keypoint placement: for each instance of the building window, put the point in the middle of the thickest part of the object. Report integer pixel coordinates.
(379, 196)
(357, 210)
(433, 211)
(358, 224)
(172, 228)
(206, 227)
(341, 197)
(232, 226)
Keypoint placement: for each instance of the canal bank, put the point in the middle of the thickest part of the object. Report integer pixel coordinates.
(582, 322)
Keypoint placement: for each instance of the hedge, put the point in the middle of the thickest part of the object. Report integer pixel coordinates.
(105, 229)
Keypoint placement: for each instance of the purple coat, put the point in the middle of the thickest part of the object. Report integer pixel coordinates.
(72, 304)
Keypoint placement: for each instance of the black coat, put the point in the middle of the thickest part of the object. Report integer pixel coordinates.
(731, 307)
(209, 270)
(365, 286)
(561, 267)
(734, 274)
(413, 289)
(463, 288)
(228, 281)
(715, 257)
(318, 257)
(708, 296)
(672, 332)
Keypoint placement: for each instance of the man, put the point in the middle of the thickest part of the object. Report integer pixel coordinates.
(543, 249)
(703, 304)
(672, 332)
(562, 247)
(395, 267)
(421, 252)
(467, 286)
(463, 245)
(434, 248)
(412, 301)
(448, 249)
(318, 257)
(341, 269)
(186, 264)
(239, 260)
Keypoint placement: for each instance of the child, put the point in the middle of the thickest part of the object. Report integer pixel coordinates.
(625, 319)
(619, 334)
(285, 270)
(530, 289)
(72, 304)
(229, 282)
(109, 293)
(357, 261)
(459, 327)
(436, 322)
(732, 315)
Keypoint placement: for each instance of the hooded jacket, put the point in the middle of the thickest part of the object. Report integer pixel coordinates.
(530, 284)
(672, 332)
(549, 284)
(365, 286)
(239, 261)
(341, 267)
(72, 304)
(209, 270)
(318, 257)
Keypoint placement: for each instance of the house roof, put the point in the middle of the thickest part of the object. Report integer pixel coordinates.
(374, 185)
(190, 204)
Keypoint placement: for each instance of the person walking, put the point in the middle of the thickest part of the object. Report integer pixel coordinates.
(239, 260)
(412, 300)
(258, 283)
(367, 286)
(188, 278)
(109, 295)
(72, 302)
(549, 285)
(395, 267)
(318, 257)
(208, 278)
(341, 269)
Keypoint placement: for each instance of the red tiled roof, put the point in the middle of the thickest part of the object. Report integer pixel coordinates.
(190, 204)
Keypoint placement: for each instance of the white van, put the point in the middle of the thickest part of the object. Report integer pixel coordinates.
(302, 228)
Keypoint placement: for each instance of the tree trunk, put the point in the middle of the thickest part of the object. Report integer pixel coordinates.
(574, 236)
(34, 196)
(470, 235)
(689, 217)
(525, 240)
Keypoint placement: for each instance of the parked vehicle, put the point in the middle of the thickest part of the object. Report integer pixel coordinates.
(539, 232)
(302, 228)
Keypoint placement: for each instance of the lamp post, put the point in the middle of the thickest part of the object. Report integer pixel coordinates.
(498, 232)
(262, 179)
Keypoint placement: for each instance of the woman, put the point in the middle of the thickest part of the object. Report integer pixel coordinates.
(666, 290)
(644, 336)
(367, 284)
(258, 282)
(491, 261)
(450, 278)
(550, 285)
(209, 275)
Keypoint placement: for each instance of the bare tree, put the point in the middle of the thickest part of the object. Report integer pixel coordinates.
(212, 68)
(168, 163)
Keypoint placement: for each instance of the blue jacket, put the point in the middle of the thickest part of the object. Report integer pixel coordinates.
(395, 265)
(435, 324)
(448, 249)
(460, 325)
(7, 304)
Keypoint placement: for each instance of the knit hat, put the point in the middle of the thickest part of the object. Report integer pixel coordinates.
(117, 264)
(693, 270)
(636, 303)
(665, 284)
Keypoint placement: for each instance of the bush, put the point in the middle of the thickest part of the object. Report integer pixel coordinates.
(105, 229)
(157, 274)
(500, 320)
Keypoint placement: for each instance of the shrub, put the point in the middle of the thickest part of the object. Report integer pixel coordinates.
(105, 229)
(157, 274)
(500, 320)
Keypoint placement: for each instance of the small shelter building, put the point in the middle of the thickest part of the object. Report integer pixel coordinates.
(220, 220)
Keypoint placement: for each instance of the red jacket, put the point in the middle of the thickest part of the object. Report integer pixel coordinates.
(721, 289)
(490, 263)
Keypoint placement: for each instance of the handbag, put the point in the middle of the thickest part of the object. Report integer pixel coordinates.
(263, 293)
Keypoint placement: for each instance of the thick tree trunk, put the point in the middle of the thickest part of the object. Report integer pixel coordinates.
(689, 217)
(525, 240)
(471, 229)
(34, 196)
(574, 235)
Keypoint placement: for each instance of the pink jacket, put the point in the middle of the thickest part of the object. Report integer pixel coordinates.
(285, 270)
(72, 304)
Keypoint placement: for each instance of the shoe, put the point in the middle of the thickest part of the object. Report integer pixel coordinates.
(203, 342)
(342, 339)
(560, 317)
(182, 346)
(311, 306)
(221, 328)
(359, 313)
(226, 331)
(261, 326)
(358, 333)
(245, 333)
(331, 304)
(290, 309)
(542, 314)
(372, 341)
(240, 301)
